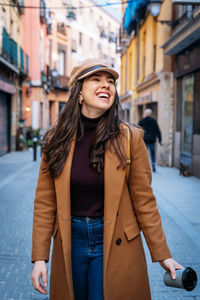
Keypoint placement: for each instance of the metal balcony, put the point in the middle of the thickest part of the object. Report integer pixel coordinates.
(9, 52)
(59, 81)
(14, 54)
(24, 62)
(9, 49)
(6, 45)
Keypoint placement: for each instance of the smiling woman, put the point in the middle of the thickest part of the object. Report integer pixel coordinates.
(87, 203)
(97, 94)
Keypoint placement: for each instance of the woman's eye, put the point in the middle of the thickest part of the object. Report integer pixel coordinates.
(111, 81)
(96, 79)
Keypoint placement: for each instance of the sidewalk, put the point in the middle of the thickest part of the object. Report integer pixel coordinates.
(178, 199)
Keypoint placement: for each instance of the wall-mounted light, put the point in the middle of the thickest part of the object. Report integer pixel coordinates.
(154, 7)
(27, 108)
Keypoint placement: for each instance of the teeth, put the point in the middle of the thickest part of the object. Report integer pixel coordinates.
(103, 95)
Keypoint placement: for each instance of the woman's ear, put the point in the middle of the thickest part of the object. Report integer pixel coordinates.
(80, 98)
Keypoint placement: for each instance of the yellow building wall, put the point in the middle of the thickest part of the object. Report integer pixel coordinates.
(122, 78)
(152, 36)
(163, 33)
(12, 22)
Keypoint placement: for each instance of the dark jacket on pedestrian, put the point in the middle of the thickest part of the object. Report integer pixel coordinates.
(151, 130)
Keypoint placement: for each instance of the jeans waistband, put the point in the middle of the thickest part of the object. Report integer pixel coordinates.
(87, 219)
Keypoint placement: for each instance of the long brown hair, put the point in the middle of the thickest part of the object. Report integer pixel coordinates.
(57, 141)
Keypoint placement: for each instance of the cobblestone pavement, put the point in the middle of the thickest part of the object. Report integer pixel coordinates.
(178, 200)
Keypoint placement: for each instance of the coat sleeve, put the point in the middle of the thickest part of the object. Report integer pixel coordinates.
(43, 215)
(143, 199)
(158, 132)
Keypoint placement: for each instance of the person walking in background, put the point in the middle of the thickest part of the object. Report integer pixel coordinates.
(87, 203)
(151, 132)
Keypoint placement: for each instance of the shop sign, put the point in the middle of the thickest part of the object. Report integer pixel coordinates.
(188, 61)
(7, 87)
(146, 98)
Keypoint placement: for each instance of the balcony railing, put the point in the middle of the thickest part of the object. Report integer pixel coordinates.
(27, 64)
(6, 45)
(24, 62)
(14, 54)
(10, 53)
(59, 82)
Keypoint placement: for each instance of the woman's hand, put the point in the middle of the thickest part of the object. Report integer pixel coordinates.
(39, 270)
(171, 265)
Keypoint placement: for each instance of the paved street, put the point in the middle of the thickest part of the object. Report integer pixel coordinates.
(178, 199)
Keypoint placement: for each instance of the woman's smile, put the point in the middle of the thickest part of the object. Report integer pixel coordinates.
(98, 92)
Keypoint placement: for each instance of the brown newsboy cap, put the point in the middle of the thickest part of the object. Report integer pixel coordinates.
(89, 67)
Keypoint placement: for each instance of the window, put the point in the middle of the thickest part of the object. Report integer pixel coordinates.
(144, 55)
(154, 58)
(61, 62)
(113, 62)
(41, 51)
(61, 106)
(41, 115)
(3, 18)
(74, 46)
(91, 16)
(187, 113)
(80, 38)
(11, 28)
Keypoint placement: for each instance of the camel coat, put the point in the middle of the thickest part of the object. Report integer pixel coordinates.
(128, 208)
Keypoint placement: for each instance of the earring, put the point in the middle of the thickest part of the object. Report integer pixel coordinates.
(80, 99)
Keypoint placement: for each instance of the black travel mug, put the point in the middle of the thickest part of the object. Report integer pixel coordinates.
(185, 279)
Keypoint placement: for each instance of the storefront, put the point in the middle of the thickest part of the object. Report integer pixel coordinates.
(187, 135)
(6, 90)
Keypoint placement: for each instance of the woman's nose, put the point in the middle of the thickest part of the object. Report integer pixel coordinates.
(105, 84)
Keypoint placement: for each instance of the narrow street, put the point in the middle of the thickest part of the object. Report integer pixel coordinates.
(178, 200)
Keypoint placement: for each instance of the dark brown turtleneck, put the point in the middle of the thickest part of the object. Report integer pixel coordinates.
(87, 186)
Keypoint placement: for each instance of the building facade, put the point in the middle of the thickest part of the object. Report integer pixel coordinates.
(94, 28)
(60, 59)
(34, 36)
(13, 71)
(184, 47)
(47, 39)
(146, 73)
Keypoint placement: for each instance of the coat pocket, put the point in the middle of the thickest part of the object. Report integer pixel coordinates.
(131, 231)
(55, 229)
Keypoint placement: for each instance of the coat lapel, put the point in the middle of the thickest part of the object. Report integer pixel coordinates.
(113, 184)
(62, 185)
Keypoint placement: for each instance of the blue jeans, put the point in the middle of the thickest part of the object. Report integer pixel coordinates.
(87, 257)
(152, 148)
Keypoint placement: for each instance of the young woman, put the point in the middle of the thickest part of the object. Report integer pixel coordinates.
(87, 203)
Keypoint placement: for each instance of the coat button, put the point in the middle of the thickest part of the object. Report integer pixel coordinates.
(118, 241)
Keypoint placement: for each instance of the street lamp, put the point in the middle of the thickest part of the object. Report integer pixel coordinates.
(154, 7)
